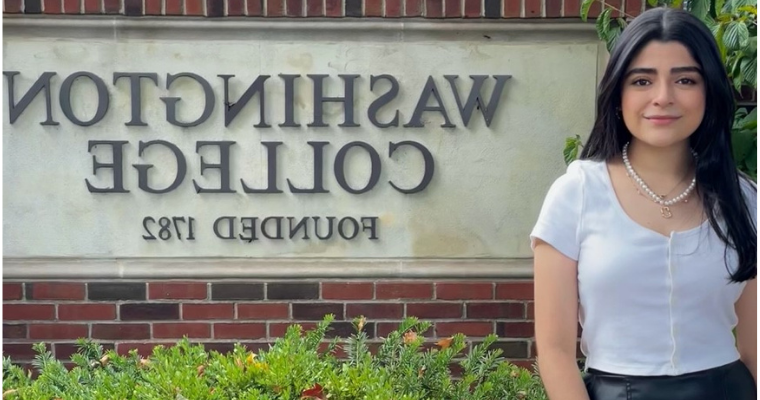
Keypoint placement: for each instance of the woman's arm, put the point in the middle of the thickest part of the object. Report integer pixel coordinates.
(556, 304)
(746, 328)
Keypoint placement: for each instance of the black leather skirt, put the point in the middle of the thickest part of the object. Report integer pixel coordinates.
(729, 382)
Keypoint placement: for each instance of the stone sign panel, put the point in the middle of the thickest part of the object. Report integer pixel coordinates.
(257, 148)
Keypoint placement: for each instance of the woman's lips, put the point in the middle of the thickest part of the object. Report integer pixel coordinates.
(662, 120)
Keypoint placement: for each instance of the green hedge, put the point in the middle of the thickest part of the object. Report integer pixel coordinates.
(293, 368)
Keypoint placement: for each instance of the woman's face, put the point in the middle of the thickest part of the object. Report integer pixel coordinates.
(663, 95)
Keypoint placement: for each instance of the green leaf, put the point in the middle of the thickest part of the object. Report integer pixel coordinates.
(719, 6)
(751, 162)
(738, 4)
(738, 82)
(603, 24)
(751, 116)
(748, 121)
(676, 4)
(711, 24)
(739, 115)
(752, 47)
(749, 70)
(652, 3)
(700, 8)
(585, 6)
(570, 154)
(752, 9)
(572, 146)
(613, 36)
(721, 31)
(736, 36)
(715, 28)
(735, 63)
(742, 142)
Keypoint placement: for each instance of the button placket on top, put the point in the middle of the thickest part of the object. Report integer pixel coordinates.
(671, 300)
(681, 245)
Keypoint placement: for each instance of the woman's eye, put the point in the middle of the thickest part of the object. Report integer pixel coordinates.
(640, 82)
(686, 81)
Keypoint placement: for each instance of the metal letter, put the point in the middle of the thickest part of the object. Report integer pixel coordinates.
(330, 221)
(116, 165)
(142, 169)
(340, 172)
(271, 171)
(290, 94)
(429, 90)
(171, 102)
(382, 100)
(303, 223)
(347, 100)
(341, 231)
(231, 232)
(65, 98)
(231, 110)
(372, 227)
(251, 228)
(223, 166)
(429, 165)
(278, 235)
(15, 110)
(318, 171)
(136, 93)
(474, 97)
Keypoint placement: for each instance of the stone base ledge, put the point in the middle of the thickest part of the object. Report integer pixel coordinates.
(203, 268)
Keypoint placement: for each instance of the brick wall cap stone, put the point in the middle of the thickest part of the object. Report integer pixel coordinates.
(191, 28)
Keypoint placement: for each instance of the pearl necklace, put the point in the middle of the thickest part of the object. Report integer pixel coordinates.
(664, 204)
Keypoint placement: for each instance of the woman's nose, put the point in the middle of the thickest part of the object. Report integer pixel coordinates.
(663, 94)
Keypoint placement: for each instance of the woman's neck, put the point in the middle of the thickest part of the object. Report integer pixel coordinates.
(667, 163)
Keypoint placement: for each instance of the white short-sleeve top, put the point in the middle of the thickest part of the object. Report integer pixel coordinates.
(649, 304)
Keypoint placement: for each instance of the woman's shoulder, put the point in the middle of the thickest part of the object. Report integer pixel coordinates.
(749, 191)
(581, 170)
(579, 175)
(749, 187)
(587, 165)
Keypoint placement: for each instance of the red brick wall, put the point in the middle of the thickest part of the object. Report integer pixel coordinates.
(139, 314)
(492, 9)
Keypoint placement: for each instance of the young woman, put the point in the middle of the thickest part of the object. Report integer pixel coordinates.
(650, 240)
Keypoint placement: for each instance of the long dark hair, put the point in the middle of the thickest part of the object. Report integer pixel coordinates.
(718, 180)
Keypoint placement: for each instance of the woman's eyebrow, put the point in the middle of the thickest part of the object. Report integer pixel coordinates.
(686, 69)
(652, 71)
